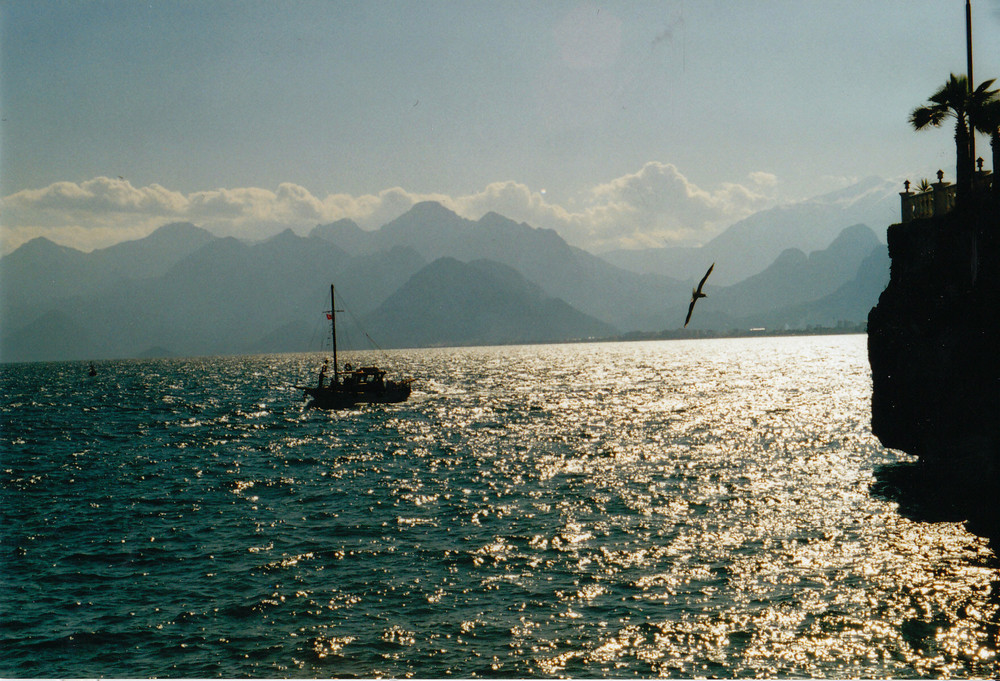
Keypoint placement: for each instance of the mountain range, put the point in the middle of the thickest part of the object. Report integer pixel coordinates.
(750, 245)
(430, 277)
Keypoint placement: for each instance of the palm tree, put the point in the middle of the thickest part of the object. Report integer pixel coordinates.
(954, 100)
(986, 119)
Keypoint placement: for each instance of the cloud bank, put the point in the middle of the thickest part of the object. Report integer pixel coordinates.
(654, 206)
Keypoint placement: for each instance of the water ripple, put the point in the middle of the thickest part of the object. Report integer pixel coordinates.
(646, 509)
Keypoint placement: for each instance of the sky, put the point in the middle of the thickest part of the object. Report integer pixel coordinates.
(618, 124)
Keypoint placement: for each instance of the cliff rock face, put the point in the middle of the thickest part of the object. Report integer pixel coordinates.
(934, 349)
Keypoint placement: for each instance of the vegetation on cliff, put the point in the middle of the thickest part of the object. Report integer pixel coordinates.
(956, 99)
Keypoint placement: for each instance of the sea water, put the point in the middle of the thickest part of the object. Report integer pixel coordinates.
(678, 508)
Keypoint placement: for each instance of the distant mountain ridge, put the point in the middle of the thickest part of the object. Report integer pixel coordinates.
(478, 303)
(583, 280)
(850, 302)
(430, 277)
(795, 276)
(750, 245)
(797, 290)
(40, 270)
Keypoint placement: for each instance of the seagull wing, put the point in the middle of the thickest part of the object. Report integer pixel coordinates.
(696, 294)
(705, 278)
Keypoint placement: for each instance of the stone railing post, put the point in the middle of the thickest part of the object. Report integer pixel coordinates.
(905, 204)
(984, 182)
(942, 202)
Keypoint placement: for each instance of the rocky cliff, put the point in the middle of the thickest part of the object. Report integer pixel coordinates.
(934, 349)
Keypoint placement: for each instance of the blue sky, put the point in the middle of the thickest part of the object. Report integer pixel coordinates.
(616, 123)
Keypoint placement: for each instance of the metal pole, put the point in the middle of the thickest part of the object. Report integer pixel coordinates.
(972, 86)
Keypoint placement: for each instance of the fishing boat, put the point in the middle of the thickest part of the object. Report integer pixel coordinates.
(349, 387)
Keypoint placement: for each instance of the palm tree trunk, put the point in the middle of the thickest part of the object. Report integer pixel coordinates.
(963, 162)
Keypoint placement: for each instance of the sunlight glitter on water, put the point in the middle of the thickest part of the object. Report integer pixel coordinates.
(676, 509)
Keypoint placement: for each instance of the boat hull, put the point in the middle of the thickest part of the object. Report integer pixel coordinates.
(341, 397)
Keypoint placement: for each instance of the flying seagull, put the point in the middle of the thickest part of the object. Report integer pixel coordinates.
(696, 294)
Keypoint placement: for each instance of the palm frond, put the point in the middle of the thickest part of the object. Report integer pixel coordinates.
(925, 116)
(953, 93)
(986, 117)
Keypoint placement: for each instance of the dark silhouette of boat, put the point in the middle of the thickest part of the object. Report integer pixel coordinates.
(351, 387)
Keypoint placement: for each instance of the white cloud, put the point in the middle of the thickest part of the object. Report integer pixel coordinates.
(762, 179)
(101, 194)
(657, 205)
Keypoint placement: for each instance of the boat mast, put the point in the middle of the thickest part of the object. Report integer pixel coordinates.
(333, 330)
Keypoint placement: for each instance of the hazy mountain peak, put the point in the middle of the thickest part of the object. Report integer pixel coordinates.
(870, 188)
(40, 246)
(493, 217)
(495, 221)
(179, 229)
(176, 236)
(430, 210)
(346, 234)
(452, 302)
(790, 257)
(342, 225)
(859, 233)
(284, 236)
(424, 215)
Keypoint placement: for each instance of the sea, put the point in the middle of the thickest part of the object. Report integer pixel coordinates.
(685, 508)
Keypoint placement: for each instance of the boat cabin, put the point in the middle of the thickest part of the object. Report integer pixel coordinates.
(364, 377)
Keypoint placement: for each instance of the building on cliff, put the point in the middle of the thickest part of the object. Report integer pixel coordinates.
(939, 198)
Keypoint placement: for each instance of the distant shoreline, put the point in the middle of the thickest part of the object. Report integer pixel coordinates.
(681, 334)
(636, 336)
